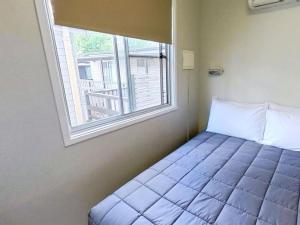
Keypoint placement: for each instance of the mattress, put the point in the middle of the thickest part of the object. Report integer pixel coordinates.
(212, 179)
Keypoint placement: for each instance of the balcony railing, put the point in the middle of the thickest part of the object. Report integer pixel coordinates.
(104, 103)
(90, 85)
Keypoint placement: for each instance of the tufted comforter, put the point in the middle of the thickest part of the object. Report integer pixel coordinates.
(212, 179)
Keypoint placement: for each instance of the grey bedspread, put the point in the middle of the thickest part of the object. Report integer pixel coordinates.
(212, 179)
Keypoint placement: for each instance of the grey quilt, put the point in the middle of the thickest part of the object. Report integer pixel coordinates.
(212, 179)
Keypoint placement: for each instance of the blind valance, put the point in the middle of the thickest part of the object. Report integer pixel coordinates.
(143, 19)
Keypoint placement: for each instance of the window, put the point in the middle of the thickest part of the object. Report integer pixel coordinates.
(108, 80)
(85, 72)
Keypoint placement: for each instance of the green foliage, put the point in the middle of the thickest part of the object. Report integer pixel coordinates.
(92, 43)
(135, 44)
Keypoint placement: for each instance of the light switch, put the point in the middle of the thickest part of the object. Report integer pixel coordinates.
(188, 60)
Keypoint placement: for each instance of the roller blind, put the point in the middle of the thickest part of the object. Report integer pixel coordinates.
(143, 19)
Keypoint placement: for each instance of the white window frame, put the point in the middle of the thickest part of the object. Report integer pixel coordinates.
(90, 130)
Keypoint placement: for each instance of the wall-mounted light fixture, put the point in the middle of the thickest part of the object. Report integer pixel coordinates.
(216, 71)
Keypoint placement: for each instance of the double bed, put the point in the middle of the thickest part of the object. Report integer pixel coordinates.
(212, 179)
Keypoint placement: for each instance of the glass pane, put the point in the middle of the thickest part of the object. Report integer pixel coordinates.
(88, 68)
(145, 73)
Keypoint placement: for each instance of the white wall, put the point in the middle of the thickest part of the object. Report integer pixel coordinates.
(43, 183)
(260, 53)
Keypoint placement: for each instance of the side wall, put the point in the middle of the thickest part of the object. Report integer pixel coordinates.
(260, 53)
(44, 183)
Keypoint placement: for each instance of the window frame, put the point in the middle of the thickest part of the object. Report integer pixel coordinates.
(73, 135)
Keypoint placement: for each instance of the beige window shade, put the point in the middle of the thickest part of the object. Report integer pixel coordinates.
(144, 19)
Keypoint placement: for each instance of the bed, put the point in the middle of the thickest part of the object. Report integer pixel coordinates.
(212, 179)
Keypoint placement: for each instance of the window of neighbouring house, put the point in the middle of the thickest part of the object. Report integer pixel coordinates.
(85, 72)
(109, 78)
(142, 66)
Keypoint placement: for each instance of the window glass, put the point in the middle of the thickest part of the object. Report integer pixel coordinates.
(106, 77)
(147, 70)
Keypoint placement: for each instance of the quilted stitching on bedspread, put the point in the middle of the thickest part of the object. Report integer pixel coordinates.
(212, 179)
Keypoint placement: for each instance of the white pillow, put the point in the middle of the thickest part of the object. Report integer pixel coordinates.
(276, 107)
(283, 129)
(241, 120)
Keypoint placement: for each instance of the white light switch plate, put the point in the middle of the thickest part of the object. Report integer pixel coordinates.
(188, 60)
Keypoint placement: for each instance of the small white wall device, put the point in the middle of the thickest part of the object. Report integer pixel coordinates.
(263, 4)
(188, 60)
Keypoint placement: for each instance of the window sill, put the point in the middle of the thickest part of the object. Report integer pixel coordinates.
(99, 130)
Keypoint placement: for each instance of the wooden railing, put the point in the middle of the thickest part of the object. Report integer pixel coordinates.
(90, 85)
(103, 103)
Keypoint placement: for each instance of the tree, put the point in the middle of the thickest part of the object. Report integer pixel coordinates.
(136, 44)
(92, 43)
